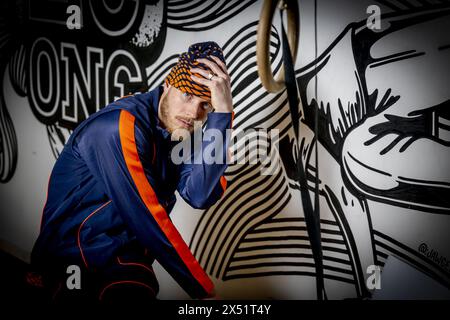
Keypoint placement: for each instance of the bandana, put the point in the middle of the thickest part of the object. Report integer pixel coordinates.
(180, 75)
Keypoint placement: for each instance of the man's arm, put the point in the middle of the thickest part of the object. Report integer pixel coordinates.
(117, 152)
(202, 184)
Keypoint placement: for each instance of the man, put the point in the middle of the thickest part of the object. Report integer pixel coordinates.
(112, 188)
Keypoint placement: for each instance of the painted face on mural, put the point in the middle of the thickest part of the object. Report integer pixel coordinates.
(178, 110)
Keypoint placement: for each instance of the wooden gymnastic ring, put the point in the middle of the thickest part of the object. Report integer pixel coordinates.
(262, 42)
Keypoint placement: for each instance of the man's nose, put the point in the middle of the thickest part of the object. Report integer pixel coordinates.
(194, 110)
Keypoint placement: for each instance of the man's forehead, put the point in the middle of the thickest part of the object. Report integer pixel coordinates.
(199, 99)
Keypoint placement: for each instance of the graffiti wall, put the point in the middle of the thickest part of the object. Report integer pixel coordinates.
(380, 149)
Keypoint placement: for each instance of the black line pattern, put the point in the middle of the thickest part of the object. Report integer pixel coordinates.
(260, 198)
(8, 139)
(386, 246)
(57, 137)
(200, 15)
(156, 75)
(274, 247)
(17, 72)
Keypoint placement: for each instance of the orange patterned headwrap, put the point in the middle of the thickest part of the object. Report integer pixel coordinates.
(180, 75)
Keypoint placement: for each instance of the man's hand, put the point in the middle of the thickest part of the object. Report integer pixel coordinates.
(219, 84)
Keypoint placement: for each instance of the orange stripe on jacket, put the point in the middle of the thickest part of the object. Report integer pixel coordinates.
(148, 196)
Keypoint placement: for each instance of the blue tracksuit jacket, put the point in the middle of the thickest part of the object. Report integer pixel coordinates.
(114, 183)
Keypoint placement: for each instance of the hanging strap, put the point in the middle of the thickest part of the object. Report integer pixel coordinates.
(312, 215)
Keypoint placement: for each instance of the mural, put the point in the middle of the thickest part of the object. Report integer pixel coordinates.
(383, 140)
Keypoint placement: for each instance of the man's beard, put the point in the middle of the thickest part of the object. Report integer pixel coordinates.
(168, 123)
(165, 115)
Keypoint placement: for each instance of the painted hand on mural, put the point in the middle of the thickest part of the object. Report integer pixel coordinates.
(12, 56)
(383, 126)
(393, 116)
(404, 149)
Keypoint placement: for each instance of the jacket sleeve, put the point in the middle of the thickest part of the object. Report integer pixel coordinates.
(201, 181)
(119, 155)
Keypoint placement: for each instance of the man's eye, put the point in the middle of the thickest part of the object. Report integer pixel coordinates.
(186, 96)
(206, 106)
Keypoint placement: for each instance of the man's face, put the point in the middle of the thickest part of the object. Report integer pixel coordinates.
(178, 110)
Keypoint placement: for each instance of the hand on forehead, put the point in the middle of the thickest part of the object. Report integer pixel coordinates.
(180, 75)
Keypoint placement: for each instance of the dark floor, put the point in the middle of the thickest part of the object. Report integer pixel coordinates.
(13, 285)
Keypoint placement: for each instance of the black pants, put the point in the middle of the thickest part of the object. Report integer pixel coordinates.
(128, 279)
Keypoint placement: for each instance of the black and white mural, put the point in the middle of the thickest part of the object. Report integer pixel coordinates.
(382, 99)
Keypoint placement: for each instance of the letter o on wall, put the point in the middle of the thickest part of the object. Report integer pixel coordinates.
(43, 78)
(114, 20)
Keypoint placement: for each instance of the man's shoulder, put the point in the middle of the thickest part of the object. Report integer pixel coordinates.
(110, 123)
(106, 122)
(138, 99)
(100, 126)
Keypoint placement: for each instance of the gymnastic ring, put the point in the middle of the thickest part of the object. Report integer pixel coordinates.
(262, 41)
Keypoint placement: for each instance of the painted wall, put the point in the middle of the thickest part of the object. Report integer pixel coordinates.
(383, 139)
